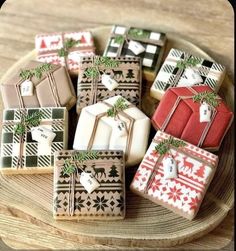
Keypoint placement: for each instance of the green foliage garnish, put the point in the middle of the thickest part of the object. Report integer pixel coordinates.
(164, 146)
(119, 39)
(183, 64)
(93, 71)
(119, 105)
(70, 164)
(138, 33)
(28, 120)
(37, 72)
(69, 43)
(207, 96)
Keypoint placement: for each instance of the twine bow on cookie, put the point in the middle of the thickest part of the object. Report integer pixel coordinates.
(93, 72)
(207, 96)
(135, 34)
(38, 72)
(114, 111)
(70, 167)
(163, 148)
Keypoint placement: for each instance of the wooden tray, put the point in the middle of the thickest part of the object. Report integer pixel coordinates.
(146, 224)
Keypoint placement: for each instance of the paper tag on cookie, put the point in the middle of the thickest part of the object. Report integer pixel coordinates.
(27, 88)
(193, 76)
(205, 112)
(109, 82)
(42, 135)
(136, 47)
(120, 129)
(170, 168)
(88, 181)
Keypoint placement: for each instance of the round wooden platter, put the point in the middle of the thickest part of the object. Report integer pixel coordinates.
(146, 224)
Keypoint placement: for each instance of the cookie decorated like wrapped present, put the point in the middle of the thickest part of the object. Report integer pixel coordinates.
(103, 77)
(64, 48)
(181, 69)
(134, 42)
(89, 185)
(195, 114)
(175, 175)
(113, 124)
(39, 84)
(30, 137)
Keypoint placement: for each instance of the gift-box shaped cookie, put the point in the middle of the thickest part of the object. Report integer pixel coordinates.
(30, 137)
(64, 48)
(89, 185)
(113, 124)
(195, 114)
(39, 84)
(182, 69)
(104, 77)
(175, 174)
(146, 44)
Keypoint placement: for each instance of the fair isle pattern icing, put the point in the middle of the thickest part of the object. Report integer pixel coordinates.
(47, 46)
(184, 193)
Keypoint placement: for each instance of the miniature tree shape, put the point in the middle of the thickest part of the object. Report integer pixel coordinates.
(130, 74)
(201, 171)
(43, 44)
(113, 172)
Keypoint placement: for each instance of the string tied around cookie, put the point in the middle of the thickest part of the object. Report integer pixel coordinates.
(208, 101)
(163, 148)
(87, 180)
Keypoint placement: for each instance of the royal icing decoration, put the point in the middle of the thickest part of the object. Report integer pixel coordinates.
(26, 88)
(88, 181)
(42, 135)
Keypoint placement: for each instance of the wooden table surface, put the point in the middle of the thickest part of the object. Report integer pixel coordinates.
(207, 23)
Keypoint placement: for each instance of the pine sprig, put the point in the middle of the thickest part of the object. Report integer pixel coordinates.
(80, 158)
(164, 146)
(138, 33)
(190, 62)
(93, 71)
(69, 43)
(208, 97)
(119, 105)
(28, 120)
(119, 39)
(36, 72)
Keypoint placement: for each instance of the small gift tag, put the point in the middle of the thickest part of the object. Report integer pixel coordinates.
(120, 129)
(170, 168)
(42, 135)
(205, 112)
(110, 83)
(193, 76)
(136, 47)
(89, 182)
(26, 88)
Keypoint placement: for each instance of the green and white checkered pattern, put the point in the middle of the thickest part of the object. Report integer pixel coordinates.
(34, 154)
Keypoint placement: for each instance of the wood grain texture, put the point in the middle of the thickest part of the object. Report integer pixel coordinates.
(208, 24)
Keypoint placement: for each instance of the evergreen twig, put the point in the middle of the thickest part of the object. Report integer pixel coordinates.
(164, 146)
(119, 105)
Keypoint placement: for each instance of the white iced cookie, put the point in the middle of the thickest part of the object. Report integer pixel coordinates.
(88, 182)
(42, 135)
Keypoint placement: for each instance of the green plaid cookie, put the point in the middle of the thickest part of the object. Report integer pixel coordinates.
(20, 153)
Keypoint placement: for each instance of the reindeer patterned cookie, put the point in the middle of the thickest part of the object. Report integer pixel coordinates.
(183, 194)
(99, 81)
(92, 189)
